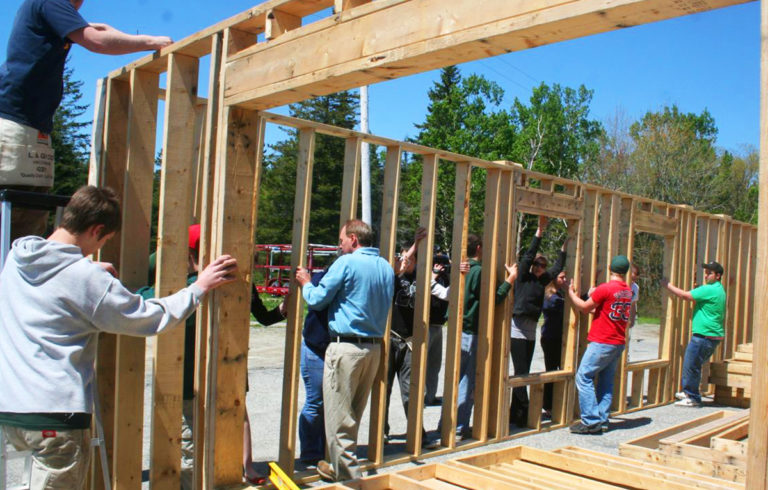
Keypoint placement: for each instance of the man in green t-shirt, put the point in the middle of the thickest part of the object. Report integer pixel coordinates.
(707, 329)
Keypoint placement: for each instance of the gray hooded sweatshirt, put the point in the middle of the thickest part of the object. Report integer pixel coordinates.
(53, 304)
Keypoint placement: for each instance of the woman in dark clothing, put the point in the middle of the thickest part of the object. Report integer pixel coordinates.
(529, 297)
(552, 331)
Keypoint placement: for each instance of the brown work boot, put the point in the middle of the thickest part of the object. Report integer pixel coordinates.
(325, 470)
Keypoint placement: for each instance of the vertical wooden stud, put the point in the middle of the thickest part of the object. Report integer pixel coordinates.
(421, 309)
(456, 303)
(230, 304)
(279, 22)
(757, 453)
(387, 249)
(175, 214)
(112, 174)
(487, 305)
(498, 414)
(351, 180)
(203, 468)
(295, 318)
(134, 260)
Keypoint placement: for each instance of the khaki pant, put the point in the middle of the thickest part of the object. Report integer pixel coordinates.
(187, 444)
(348, 376)
(59, 457)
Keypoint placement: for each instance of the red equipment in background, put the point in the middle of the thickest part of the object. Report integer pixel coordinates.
(275, 262)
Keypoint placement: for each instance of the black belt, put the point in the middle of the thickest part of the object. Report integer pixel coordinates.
(705, 337)
(355, 340)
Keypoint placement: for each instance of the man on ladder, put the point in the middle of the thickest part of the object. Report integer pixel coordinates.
(31, 88)
(55, 301)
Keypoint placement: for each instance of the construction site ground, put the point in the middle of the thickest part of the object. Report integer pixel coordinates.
(265, 374)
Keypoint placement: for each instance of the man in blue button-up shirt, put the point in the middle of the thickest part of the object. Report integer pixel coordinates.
(357, 290)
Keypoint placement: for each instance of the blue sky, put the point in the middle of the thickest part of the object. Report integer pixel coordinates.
(704, 61)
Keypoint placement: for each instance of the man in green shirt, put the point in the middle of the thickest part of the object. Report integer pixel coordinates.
(707, 329)
(469, 330)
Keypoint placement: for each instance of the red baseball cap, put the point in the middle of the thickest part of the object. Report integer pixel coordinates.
(194, 237)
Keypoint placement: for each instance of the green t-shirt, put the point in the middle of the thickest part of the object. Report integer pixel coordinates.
(709, 310)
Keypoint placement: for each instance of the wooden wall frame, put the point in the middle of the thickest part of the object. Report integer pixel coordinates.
(265, 57)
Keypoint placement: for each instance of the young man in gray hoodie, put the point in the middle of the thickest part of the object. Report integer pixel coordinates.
(54, 302)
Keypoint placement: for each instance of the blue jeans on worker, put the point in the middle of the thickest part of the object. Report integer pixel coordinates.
(699, 350)
(466, 381)
(311, 423)
(599, 361)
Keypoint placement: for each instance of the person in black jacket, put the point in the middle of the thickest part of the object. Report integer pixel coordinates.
(529, 297)
(552, 331)
(401, 331)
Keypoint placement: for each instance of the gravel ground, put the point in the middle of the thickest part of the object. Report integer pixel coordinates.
(265, 372)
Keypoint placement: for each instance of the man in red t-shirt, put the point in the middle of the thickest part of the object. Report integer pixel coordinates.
(611, 303)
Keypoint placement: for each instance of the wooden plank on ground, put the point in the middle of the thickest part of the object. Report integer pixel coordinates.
(652, 440)
(175, 214)
(609, 462)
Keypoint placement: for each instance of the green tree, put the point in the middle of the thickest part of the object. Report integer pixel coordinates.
(554, 132)
(463, 116)
(70, 139)
(674, 153)
(279, 177)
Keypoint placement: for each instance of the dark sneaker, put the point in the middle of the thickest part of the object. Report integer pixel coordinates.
(582, 428)
(427, 443)
(325, 470)
(464, 435)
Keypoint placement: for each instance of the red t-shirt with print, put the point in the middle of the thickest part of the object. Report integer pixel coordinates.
(609, 325)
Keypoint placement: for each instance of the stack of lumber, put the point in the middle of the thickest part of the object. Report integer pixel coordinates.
(524, 467)
(733, 378)
(714, 445)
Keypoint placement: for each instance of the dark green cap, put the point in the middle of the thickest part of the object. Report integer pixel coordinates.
(620, 264)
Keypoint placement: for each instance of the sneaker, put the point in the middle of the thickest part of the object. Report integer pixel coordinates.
(681, 395)
(604, 427)
(427, 443)
(325, 470)
(687, 402)
(582, 428)
(464, 435)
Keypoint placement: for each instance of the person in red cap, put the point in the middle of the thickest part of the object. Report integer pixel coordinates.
(707, 329)
(263, 316)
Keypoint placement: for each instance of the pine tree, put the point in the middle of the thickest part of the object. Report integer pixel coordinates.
(70, 139)
(279, 177)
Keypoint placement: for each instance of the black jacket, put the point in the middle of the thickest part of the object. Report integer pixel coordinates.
(529, 289)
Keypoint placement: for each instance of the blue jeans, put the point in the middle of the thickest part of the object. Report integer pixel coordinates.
(467, 368)
(699, 350)
(311, 422)
(599, 359)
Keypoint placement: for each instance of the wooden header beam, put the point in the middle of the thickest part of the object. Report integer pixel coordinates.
(658, 224)
(422, 35)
